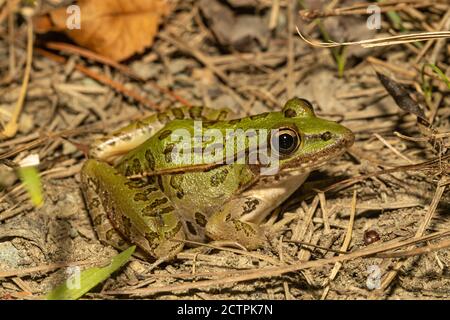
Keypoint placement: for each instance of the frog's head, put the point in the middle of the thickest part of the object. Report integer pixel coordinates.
(305, 141)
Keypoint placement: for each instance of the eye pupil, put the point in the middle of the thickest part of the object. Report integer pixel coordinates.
(286, 141)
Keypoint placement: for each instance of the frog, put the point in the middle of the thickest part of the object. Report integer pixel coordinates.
(159, 184)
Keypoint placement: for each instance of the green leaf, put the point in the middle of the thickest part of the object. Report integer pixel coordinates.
(78, 284)
(439, 73)
(30, 178)
(339, 54)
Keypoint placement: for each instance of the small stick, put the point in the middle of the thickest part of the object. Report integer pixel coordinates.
(12, 55)
(231, 278)
(103, 79)
(344, 247)
(323, 206)
(12, 127)
(387, 144)
(274, 13)
(290, 51)
(105, 60)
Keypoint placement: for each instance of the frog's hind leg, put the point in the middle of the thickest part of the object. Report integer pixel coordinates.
(121, 141)
(137, 209)
(103, 227)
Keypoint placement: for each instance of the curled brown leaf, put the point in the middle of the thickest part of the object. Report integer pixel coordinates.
(114, 28)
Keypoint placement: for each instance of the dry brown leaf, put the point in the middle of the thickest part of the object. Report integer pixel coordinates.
(240, 31)
(115, 28)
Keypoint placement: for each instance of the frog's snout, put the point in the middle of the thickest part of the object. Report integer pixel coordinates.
(347, 137)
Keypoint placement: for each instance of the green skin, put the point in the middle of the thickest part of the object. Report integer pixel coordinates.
(148, 199)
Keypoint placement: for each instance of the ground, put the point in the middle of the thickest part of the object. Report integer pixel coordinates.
(66, 110)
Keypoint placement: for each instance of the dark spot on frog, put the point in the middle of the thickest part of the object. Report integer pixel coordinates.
(191, 228)
(234, 121)
(136, 183)
(163, 117)
(219, 177)
(160, 183)
(168, 152)
(145, 194)
(178, 113)
(98, 220)
(95, 203)
(152, 238)
(175, 183)
(196, 113)
(150, 159)
(166, 210)
(290, 113)
(94, 185)
(126, 222)
(245, 227)
(137, 168)
(151, 180)
(259, 116)
(208, 124)
(200, 219)
(111, 143)
(222, 115)
(163, 135)
(127, 137)
(250, 205)
(150, 210)
(140, 124)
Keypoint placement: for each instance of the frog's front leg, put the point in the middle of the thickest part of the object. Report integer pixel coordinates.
(136, 208)
(227, 225)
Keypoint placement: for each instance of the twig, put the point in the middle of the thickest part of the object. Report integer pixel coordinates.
(361, 8)
(47, 268)
(119, 87)
(12, 126)
(11, 30)
(390, 147)
(344, 247)
(290, 51)
(246, 275)
(442, 26)
(118, 66)
(380, 42)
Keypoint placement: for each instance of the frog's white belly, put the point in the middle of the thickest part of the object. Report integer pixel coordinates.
(269, 192)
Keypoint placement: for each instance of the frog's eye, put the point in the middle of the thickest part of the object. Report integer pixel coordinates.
(298, 107)
(285, 141)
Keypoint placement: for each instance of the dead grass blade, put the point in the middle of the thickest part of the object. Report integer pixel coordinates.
(380, 42)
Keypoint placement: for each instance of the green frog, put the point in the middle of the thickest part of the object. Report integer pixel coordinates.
(196, 173)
